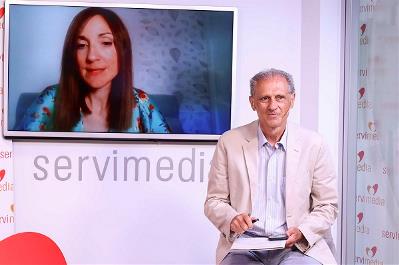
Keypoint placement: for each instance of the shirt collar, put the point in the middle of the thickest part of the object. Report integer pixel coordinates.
(262, 139)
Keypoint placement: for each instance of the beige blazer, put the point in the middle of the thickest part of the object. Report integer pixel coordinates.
(311, 188)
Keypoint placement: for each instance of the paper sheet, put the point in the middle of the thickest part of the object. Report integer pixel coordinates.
(257, 243)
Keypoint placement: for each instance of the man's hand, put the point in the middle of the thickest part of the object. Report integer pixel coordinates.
(294, 236)
(241, 223)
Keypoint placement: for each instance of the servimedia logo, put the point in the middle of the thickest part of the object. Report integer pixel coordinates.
(369, 257)
(362, 29)
(360, 155)
(359, 217)
(362, 90)
(4, 184)
(118, 167)
(2, 174)
(371, 197)
(372, 190)
(371, 126)
(371, 251)
(370, 134)
(361, 228)
(363, 102)
(362, 166)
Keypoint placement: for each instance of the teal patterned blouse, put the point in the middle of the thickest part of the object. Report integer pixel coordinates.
(145, 119)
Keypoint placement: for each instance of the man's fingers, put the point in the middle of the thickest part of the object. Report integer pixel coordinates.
(248, 221)
(290, 241)
(244, 226)
(291, 231)
(241, 223)
(294, 235)
(235, 226)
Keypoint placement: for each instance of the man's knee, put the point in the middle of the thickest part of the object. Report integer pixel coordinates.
(240, 257)
(297, 257)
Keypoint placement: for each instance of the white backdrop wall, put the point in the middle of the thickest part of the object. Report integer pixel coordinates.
(7, 219)
(127, 202)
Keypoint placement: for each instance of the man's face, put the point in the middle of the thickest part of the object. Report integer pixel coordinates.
(272, 102)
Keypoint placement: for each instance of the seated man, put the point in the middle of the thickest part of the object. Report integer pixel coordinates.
(275, 172)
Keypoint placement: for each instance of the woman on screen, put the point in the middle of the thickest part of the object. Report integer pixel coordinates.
(95, 92)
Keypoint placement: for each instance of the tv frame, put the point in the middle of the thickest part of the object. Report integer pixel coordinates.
(14, 134)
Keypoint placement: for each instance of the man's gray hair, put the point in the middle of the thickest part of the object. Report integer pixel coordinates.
(269, 73)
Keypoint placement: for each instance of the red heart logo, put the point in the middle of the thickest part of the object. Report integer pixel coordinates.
(361, 92)
(360, 155)
(374, 250)
(359, 217)
(2, 174)
(368, 251)
(372, 189)
(363, 29)
(2, 10)
(371, 126)
(371, 251)
(375, 188)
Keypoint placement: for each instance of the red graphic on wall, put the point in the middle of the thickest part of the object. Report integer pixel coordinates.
(2, 10)
(360, 155)
(371, 251)
(30, 248)
(372, 190)
(363, 29)
(2, 174)
(362, 90)
(359, 217)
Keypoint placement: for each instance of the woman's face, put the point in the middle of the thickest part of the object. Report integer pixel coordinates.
(96, 54)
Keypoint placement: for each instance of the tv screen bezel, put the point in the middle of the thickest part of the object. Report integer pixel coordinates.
(9, 133)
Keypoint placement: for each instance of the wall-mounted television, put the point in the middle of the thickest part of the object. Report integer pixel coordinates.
(118, 71)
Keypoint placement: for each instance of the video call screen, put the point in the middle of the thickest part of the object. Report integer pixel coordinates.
(182, 65)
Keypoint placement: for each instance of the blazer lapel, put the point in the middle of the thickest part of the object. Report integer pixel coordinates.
(292, 163)
(250, 150)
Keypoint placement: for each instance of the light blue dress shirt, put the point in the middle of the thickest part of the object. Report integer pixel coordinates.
(269, 205)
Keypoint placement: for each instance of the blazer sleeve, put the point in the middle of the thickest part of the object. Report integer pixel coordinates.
(324, 199)
(217, 205)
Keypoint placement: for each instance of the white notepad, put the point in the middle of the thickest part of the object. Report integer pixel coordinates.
(257, 243)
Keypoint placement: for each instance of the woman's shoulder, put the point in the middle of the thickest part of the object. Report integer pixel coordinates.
(38, 115)
(143, 100)
(49, 91)
(46, 97)
(140, 94)
(150, 117)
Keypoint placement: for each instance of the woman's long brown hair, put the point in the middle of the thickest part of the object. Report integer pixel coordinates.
(70, 97)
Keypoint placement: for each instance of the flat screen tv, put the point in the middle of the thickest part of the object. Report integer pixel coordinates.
(118, 71)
